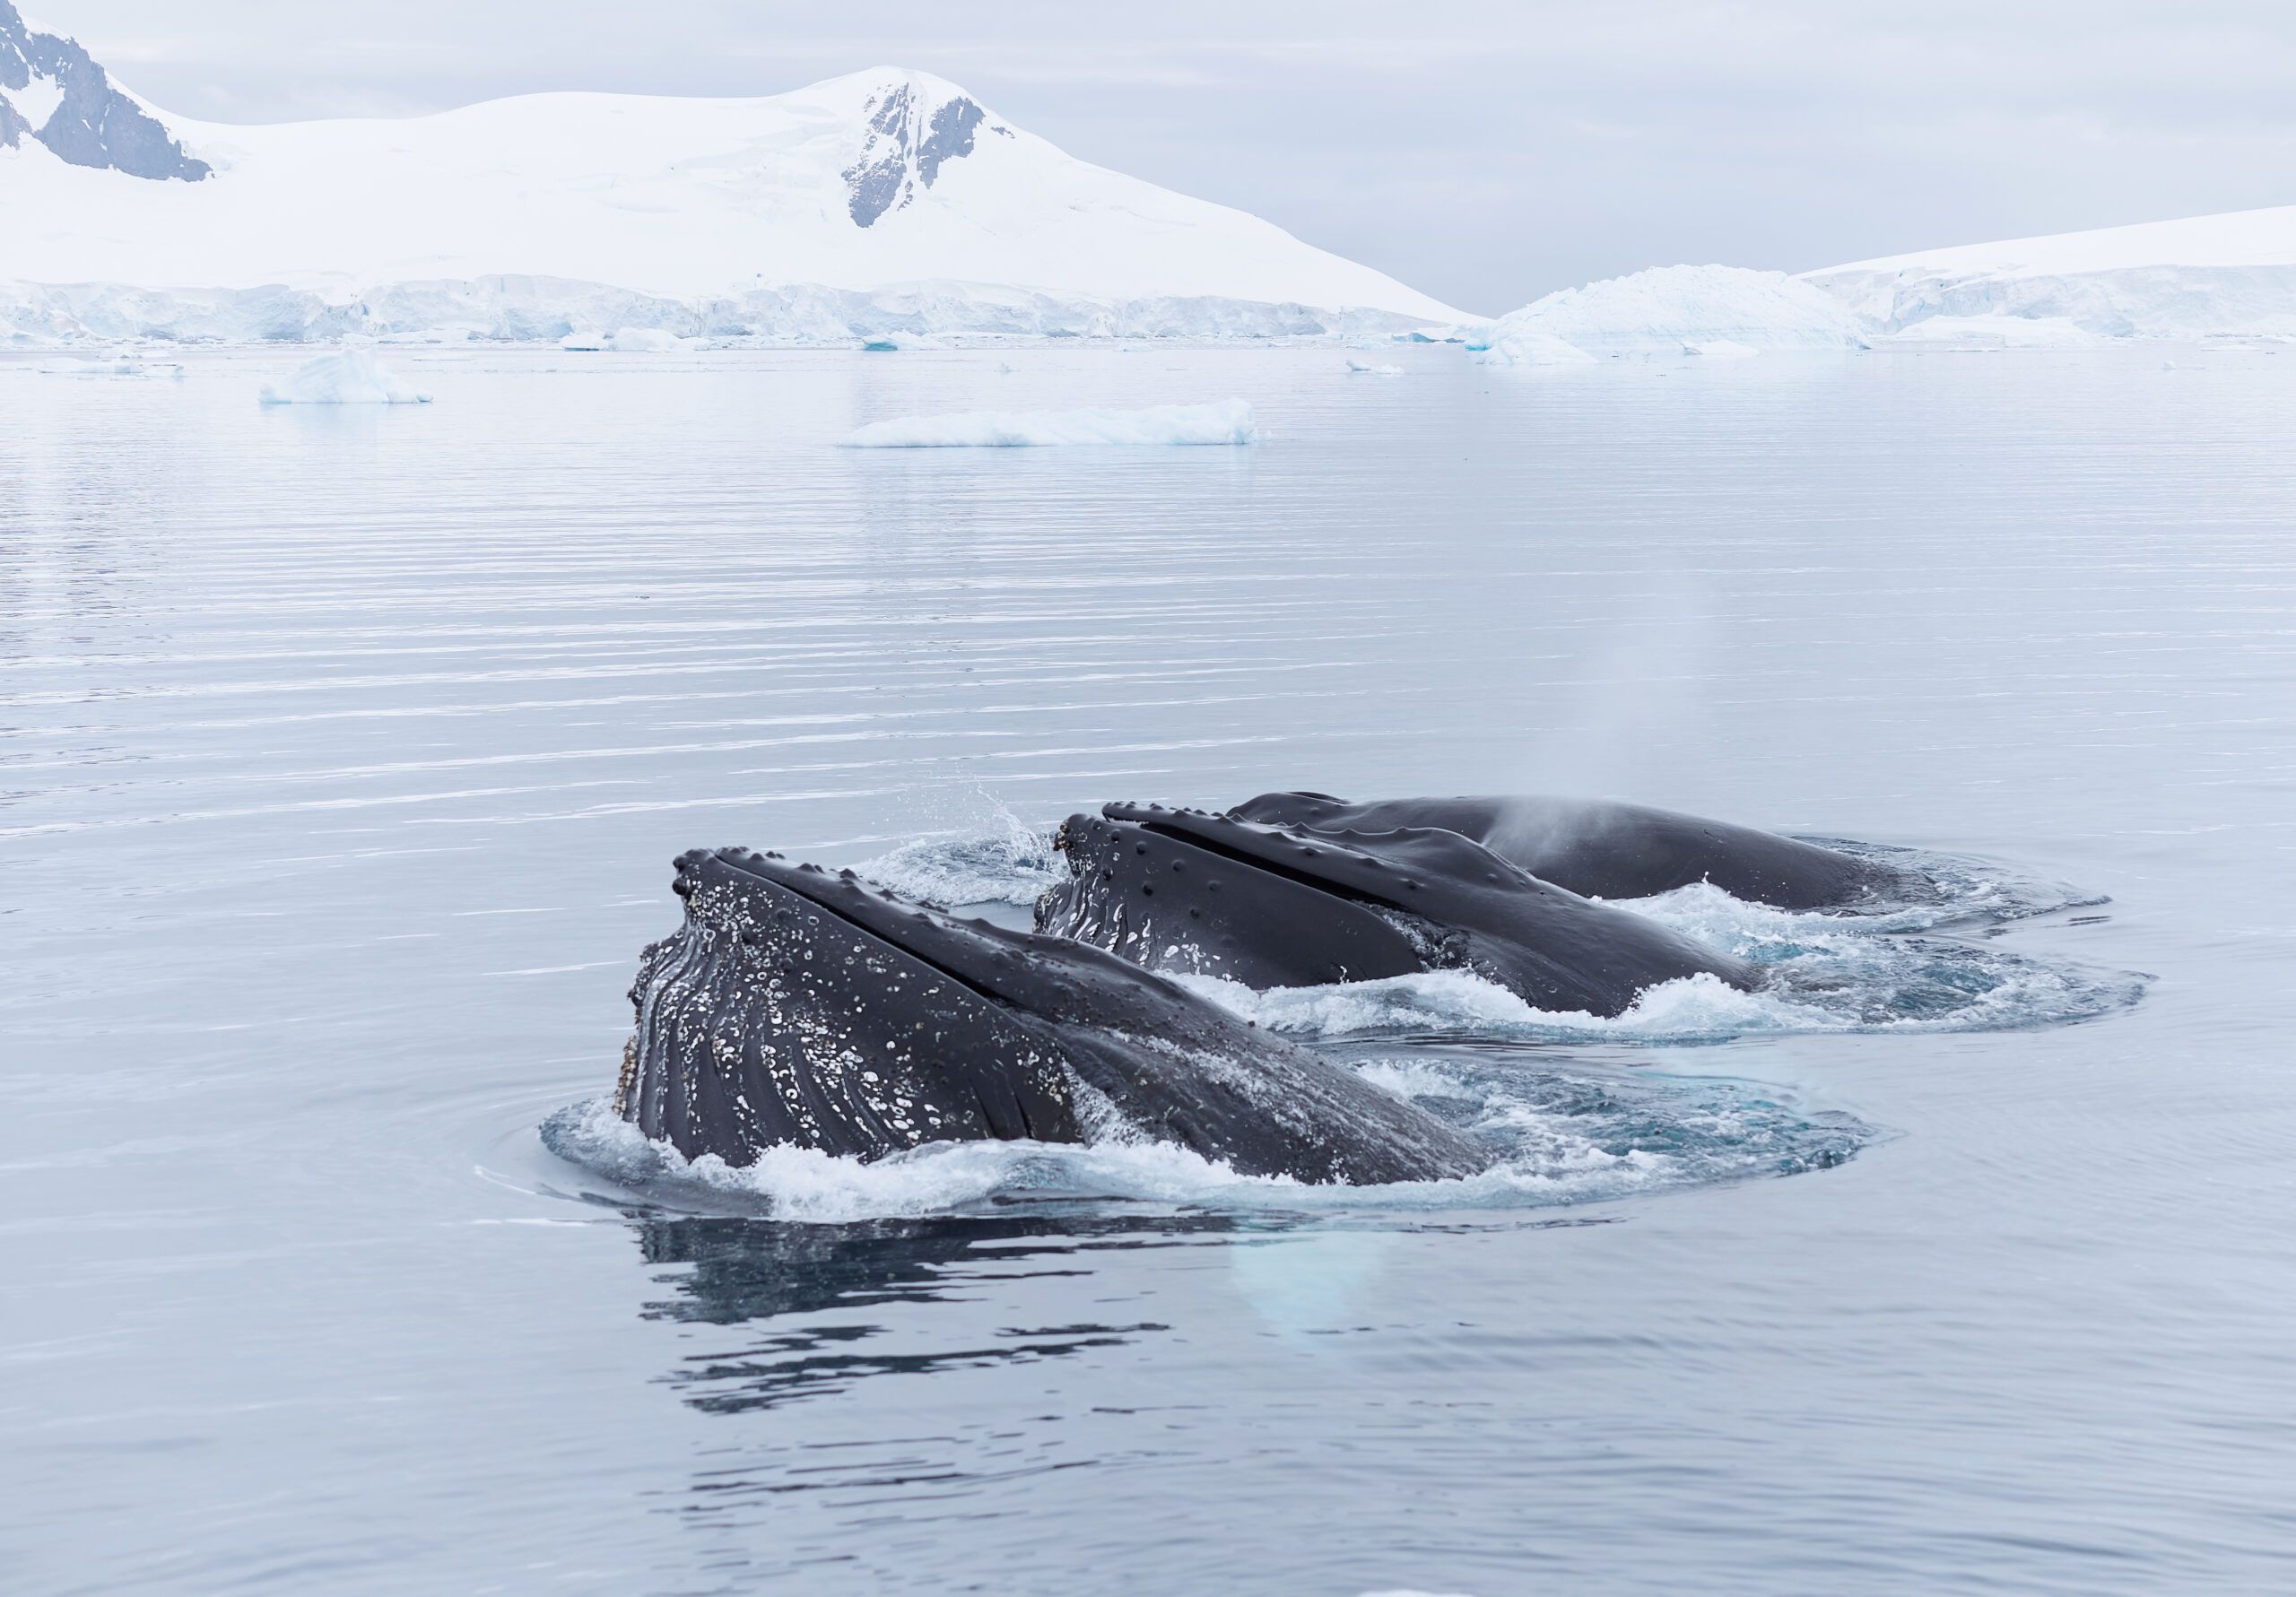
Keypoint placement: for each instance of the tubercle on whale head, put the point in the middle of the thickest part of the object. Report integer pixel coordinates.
(1340, 859)
(802, 1007)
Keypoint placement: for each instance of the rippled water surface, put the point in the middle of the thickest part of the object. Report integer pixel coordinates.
(345, 751)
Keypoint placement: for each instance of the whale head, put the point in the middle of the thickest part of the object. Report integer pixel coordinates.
(1285, 906)
(802, 1007)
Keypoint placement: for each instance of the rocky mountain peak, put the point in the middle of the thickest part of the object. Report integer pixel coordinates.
(908, 135)
(53, 90)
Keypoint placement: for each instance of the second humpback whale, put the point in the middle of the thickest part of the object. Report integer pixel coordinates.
(798, 1007)
(1612, 851)
(1284, 906)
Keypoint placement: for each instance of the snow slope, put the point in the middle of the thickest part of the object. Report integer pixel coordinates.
(2206, 276)
(885, 180)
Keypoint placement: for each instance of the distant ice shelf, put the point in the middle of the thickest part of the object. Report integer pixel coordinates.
(2226, 276)
(579, 314)
(1229, 421)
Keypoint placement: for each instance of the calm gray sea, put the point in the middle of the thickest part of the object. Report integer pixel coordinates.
(345, 750)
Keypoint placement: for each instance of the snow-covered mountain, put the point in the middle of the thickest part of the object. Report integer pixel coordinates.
(883, 181)
(2206, 276)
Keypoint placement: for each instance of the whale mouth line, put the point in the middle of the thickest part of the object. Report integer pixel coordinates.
(796, 889)
(1235, 856)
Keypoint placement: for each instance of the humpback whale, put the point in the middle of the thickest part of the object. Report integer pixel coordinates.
(1277, 906)
(795, 1006)
(1611, 851)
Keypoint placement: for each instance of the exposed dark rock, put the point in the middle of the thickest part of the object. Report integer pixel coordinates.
(952, 137)
(94, 124)
(905, 146)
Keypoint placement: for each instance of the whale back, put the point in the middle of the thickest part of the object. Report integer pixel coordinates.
(1611, 851)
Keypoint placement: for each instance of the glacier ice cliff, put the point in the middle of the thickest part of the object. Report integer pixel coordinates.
(537, 310)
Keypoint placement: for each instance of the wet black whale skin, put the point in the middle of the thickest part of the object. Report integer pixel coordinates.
(1274, 905)
(798, 1007)
(1609, 851)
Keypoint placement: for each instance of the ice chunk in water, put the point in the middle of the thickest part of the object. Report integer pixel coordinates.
(1527, 347)
(351, 376)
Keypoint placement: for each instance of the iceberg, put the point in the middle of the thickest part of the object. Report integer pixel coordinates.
(643, 340)
(1229, 421)
(1367, 369)
(1524, 346)
(352, 376)
(1673, 309)
(119, 364)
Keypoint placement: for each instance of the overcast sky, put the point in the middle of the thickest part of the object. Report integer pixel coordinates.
(1485, 154)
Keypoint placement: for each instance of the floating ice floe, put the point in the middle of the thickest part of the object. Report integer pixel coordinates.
(120, 363)
(1367, 369)
(351, 376)
(903, 341)
(1720, 348)
(1229, 421)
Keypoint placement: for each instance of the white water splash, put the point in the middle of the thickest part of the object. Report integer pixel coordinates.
(1566, 1140)
(1010, 865)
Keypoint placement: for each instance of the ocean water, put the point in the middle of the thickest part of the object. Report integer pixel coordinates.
(346, 748)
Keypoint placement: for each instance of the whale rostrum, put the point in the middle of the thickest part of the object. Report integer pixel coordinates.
(1276, 906)
(798, 1007)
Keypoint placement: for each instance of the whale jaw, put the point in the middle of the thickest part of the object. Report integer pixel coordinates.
(800, 1008)
(770, 1019)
